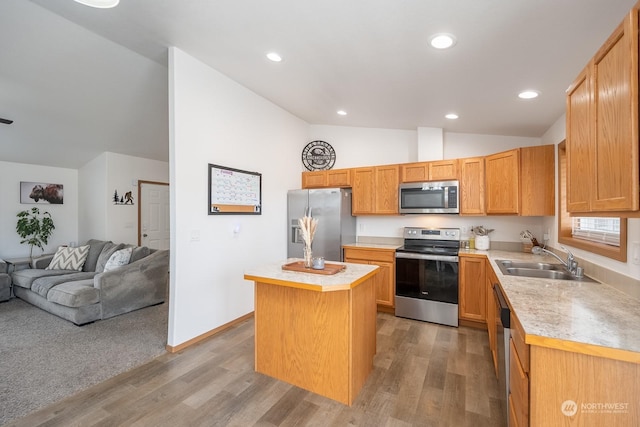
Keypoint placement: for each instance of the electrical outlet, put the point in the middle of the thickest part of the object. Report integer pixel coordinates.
(545, 236)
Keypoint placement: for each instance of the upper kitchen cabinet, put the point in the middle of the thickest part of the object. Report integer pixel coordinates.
(327, 178)
(429, 171)
(521, 182)
(537, 181)
(602, 128)
(472, 186)
(503, 182)
(375, 190)
(579, 179)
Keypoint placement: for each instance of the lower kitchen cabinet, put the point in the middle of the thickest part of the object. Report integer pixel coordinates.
(558, 383)
(562, 382)
(493, 317)
(518, 374)
(472, 293)
(569, 387)
(386, 277)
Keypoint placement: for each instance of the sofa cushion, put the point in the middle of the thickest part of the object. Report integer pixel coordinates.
(67, 258)
(24, 278)
(95, 248)
(118, 259)
(139, 252)
(43, 285)
(74, 294)
(5, 286)
(106, 253)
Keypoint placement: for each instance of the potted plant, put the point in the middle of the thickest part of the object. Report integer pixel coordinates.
(34, 228)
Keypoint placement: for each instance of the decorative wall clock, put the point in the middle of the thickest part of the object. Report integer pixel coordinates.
(318, 155)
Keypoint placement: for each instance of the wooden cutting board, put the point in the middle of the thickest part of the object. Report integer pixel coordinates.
(329, 268)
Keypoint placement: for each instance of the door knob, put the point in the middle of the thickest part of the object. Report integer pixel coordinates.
(145, 235)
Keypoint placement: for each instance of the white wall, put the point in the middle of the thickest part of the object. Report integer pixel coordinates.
(461, 145)
(123, 174)
(215, 120)
(555, 135)
(65, 216)
(356, 146)
(92, 190)
(364, 146)
(99, 217)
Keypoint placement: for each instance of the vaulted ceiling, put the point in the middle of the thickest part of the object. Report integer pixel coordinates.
(80, 81)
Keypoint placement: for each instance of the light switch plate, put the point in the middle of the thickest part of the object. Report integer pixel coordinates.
(635, 253)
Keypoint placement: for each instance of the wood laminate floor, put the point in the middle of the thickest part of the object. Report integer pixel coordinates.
(424, 375)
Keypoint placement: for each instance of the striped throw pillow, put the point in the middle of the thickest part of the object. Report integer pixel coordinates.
(69, 258)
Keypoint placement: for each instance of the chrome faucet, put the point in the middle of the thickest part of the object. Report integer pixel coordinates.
(570, 264)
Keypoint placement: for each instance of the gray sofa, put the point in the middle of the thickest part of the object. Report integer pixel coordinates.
(5, 282)
(93, 294)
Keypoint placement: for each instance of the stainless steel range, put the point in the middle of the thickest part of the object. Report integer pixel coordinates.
(427, 275)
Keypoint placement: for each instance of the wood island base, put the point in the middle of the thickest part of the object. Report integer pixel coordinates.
(321, 341)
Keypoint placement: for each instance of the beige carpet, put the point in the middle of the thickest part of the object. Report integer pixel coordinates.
(44, 358)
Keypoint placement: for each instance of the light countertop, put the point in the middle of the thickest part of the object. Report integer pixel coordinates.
(372, 246)
(348, 278)
(594, 317)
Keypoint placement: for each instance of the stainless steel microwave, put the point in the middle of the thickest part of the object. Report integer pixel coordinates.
(431, 197)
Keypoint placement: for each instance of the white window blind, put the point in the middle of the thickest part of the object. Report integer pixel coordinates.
(600, 230)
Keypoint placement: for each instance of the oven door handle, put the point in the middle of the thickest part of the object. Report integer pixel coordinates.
(408, 255)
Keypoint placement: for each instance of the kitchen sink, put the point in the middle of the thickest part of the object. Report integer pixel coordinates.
(539, 270)
(530, 265)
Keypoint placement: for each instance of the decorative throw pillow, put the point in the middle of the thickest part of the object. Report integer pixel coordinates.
(139, 253)
(108, 250)
(118, 259)
(67, 258)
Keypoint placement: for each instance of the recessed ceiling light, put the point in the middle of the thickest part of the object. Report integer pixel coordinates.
(100, 4)
(274, 57)
(528, 94)
(451, 116)
(341, 113)
(442, 40)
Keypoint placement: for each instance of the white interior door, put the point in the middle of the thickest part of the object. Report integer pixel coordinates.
(154, 215)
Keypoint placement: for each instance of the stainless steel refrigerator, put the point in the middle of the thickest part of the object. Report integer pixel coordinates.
(336, 226)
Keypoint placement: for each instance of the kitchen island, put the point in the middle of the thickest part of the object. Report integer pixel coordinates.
(316, 331)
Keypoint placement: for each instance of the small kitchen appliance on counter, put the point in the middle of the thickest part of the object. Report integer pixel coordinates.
(427, 275)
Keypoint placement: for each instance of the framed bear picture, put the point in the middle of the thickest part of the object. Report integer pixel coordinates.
(41, 193)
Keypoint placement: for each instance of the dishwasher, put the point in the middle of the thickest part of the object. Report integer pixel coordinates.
(503, 335)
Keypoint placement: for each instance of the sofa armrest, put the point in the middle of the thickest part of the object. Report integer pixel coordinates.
(42, 261)
(133, 286)
(3, 266)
